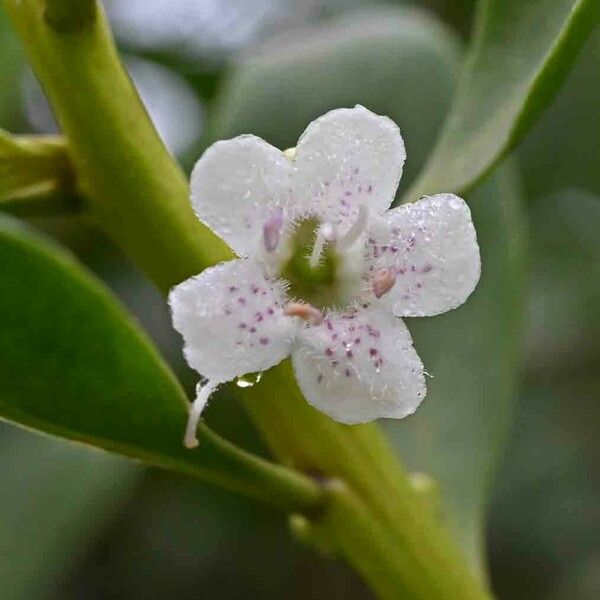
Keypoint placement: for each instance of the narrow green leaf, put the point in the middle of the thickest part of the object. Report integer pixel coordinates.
(75, 365)
(55, 500)
(519, 56)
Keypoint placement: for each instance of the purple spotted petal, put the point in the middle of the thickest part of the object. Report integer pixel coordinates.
(347, 157)
(231, 319)
(432, 247)
(359, 366)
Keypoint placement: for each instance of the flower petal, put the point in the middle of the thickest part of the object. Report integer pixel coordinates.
(236, 186)
(359, 366)
(230, 317)
(432, 247)
(347, 157)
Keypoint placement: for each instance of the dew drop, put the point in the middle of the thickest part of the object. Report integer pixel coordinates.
(248, 380)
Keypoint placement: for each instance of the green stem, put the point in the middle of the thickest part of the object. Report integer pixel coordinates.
(69, 16)
(140, 197)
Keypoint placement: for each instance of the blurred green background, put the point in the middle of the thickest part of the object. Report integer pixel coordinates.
(78, 524)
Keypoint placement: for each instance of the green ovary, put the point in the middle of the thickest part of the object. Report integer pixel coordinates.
(319, 285)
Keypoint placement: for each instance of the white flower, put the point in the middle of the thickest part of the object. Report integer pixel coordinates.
(325, 269)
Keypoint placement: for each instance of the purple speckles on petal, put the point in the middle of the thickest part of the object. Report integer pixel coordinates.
(427, 268)
(373, 332)
(347, 372)
(233, 288)
(320, 378)
(372, 351)
(241, 300)
(252, 330)
(264, 341)
(370, 189)
(349, 354)
(242, 325)
(328, 351)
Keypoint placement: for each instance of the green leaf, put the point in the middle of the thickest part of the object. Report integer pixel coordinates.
(74, 364)
(472, 354)
(519, 56)
(55, 500)
(574, 119)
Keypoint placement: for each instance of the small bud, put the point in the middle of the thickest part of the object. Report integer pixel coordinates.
(272, 231)
(383, 282)
(307, 312)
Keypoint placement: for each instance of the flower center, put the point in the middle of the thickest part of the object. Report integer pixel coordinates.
(312, 266)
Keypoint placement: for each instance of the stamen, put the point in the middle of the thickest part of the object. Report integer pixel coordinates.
(203, 393)
(325, 235)
(358, 228)
(383, 282)
(272, 230)
(307, 312)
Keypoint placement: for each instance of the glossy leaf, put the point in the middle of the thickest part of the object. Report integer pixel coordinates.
(456, 436)
(55, 501)
(75, 365)
(519, 56)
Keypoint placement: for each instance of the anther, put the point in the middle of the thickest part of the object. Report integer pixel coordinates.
(383, 282)
(307, 312)
(272, 231)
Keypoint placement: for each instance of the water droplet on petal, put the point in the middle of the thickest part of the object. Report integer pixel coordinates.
(248, 380)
